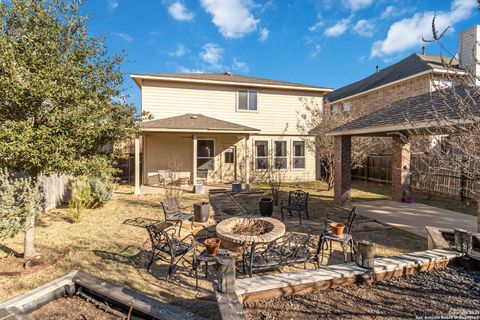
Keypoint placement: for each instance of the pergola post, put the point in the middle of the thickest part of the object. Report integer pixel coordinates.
(137, 165)
(342, 170)
(400, 167)
(194, 161)
(247, 164)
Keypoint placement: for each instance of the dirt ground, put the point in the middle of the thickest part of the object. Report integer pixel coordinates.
(452, 291)
(74, 308)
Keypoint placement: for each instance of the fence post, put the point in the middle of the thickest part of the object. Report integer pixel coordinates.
(226, 275)
(463, 241)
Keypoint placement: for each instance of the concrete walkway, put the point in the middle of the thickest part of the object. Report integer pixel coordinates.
(414, 217)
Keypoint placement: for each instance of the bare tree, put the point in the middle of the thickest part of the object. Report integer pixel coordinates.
(318, 121)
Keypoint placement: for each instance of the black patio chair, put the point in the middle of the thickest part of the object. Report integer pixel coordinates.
(348, 224)
(164, 242)
(297, 201)
(173, 213)
(289, 249)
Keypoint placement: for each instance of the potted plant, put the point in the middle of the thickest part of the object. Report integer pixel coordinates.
(265, 206)
(336, 229)
(201, 211)
(212, 245)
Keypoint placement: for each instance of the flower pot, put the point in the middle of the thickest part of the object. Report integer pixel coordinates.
(337, 228)
(237, 187)
(265, 206)
(201, 212)
(212, 245)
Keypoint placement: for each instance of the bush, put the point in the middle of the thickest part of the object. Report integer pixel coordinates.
(20, 200)
(101, 191)
(80, 199)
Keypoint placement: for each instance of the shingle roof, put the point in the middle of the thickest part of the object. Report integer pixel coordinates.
(191, 121)
(229, 77)
(425, 108)
(407, 67)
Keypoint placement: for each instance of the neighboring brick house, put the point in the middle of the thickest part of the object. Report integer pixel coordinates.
(412, 76)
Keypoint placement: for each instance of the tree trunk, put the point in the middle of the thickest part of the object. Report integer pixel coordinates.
(29, 242)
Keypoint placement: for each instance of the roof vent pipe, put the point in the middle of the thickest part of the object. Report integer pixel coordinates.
(423, 50)
(377, 68)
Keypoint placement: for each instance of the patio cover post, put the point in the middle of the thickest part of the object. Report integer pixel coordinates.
(400, 167)
(342, 170)
(137, 165)
(194, 161)
(247, 162)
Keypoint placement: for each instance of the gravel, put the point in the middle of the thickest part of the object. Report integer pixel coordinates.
(449, 293)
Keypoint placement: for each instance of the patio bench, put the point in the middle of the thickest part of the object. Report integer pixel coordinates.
(289, 249)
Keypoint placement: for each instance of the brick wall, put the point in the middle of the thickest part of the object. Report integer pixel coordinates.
(381, 98)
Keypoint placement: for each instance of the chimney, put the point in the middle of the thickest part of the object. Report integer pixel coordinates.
(469, 50)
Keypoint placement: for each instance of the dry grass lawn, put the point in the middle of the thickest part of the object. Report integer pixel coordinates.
(104, 245)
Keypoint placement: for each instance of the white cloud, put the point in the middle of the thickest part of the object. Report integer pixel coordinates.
(358, 4)
(364, 28)
(315, 51)
(240, 66)
(391, 12)
(338, 28)
(232, 17)
(124, 36)
(407, 33)
(183, 69)
(179, 12)
(112, 4)
(180, 51)
(317, 26)
(212, 54)
(264, 33)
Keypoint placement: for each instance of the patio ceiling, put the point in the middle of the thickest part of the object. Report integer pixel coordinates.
(195, 123)
(420, 113)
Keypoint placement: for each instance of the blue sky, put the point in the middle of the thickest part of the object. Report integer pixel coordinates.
(324, 42)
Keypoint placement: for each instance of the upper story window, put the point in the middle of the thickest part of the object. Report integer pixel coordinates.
(347, 106)
(335, 108)
(247, 100)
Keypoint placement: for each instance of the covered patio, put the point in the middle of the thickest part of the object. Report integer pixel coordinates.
(403, 119)
(194, 148)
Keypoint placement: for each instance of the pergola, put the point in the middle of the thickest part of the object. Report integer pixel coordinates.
(417, 115)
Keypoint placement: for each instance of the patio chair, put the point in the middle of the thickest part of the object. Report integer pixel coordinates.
(297, 201)
(173, 213)
(164, 242)
(289, 249)
(346, 240)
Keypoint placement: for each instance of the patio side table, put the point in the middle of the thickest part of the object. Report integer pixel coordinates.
(204, 257)
(345, 240)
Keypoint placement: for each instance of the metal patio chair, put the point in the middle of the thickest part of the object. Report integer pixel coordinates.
(173, 213)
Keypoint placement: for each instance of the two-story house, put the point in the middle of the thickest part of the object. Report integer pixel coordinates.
(220, 128)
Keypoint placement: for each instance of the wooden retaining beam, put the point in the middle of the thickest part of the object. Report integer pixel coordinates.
(304, 281)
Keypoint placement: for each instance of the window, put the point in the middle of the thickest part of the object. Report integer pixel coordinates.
(247, 100)
(346, 107)
(205, 155)
(228, 155)
(280, 155)
(261, 154)
(299, 154)
(335, 108)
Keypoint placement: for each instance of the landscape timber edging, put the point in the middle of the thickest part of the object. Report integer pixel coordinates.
(304, 281)
(121, 296)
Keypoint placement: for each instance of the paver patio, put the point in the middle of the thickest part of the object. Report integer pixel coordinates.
(413, 217)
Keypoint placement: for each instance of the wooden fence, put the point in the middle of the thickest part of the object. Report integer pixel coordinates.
(445, 181)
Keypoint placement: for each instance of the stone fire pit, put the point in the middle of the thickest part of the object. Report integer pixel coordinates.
(234, 232)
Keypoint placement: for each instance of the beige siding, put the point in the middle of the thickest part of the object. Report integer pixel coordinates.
(162, 151)
(276, 114)
(469, 49)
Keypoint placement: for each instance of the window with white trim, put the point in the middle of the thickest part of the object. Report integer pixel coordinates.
(261, 154)
(280, 159)
(347, 106)
(205, 155)
(247, 100)
(299, 154)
